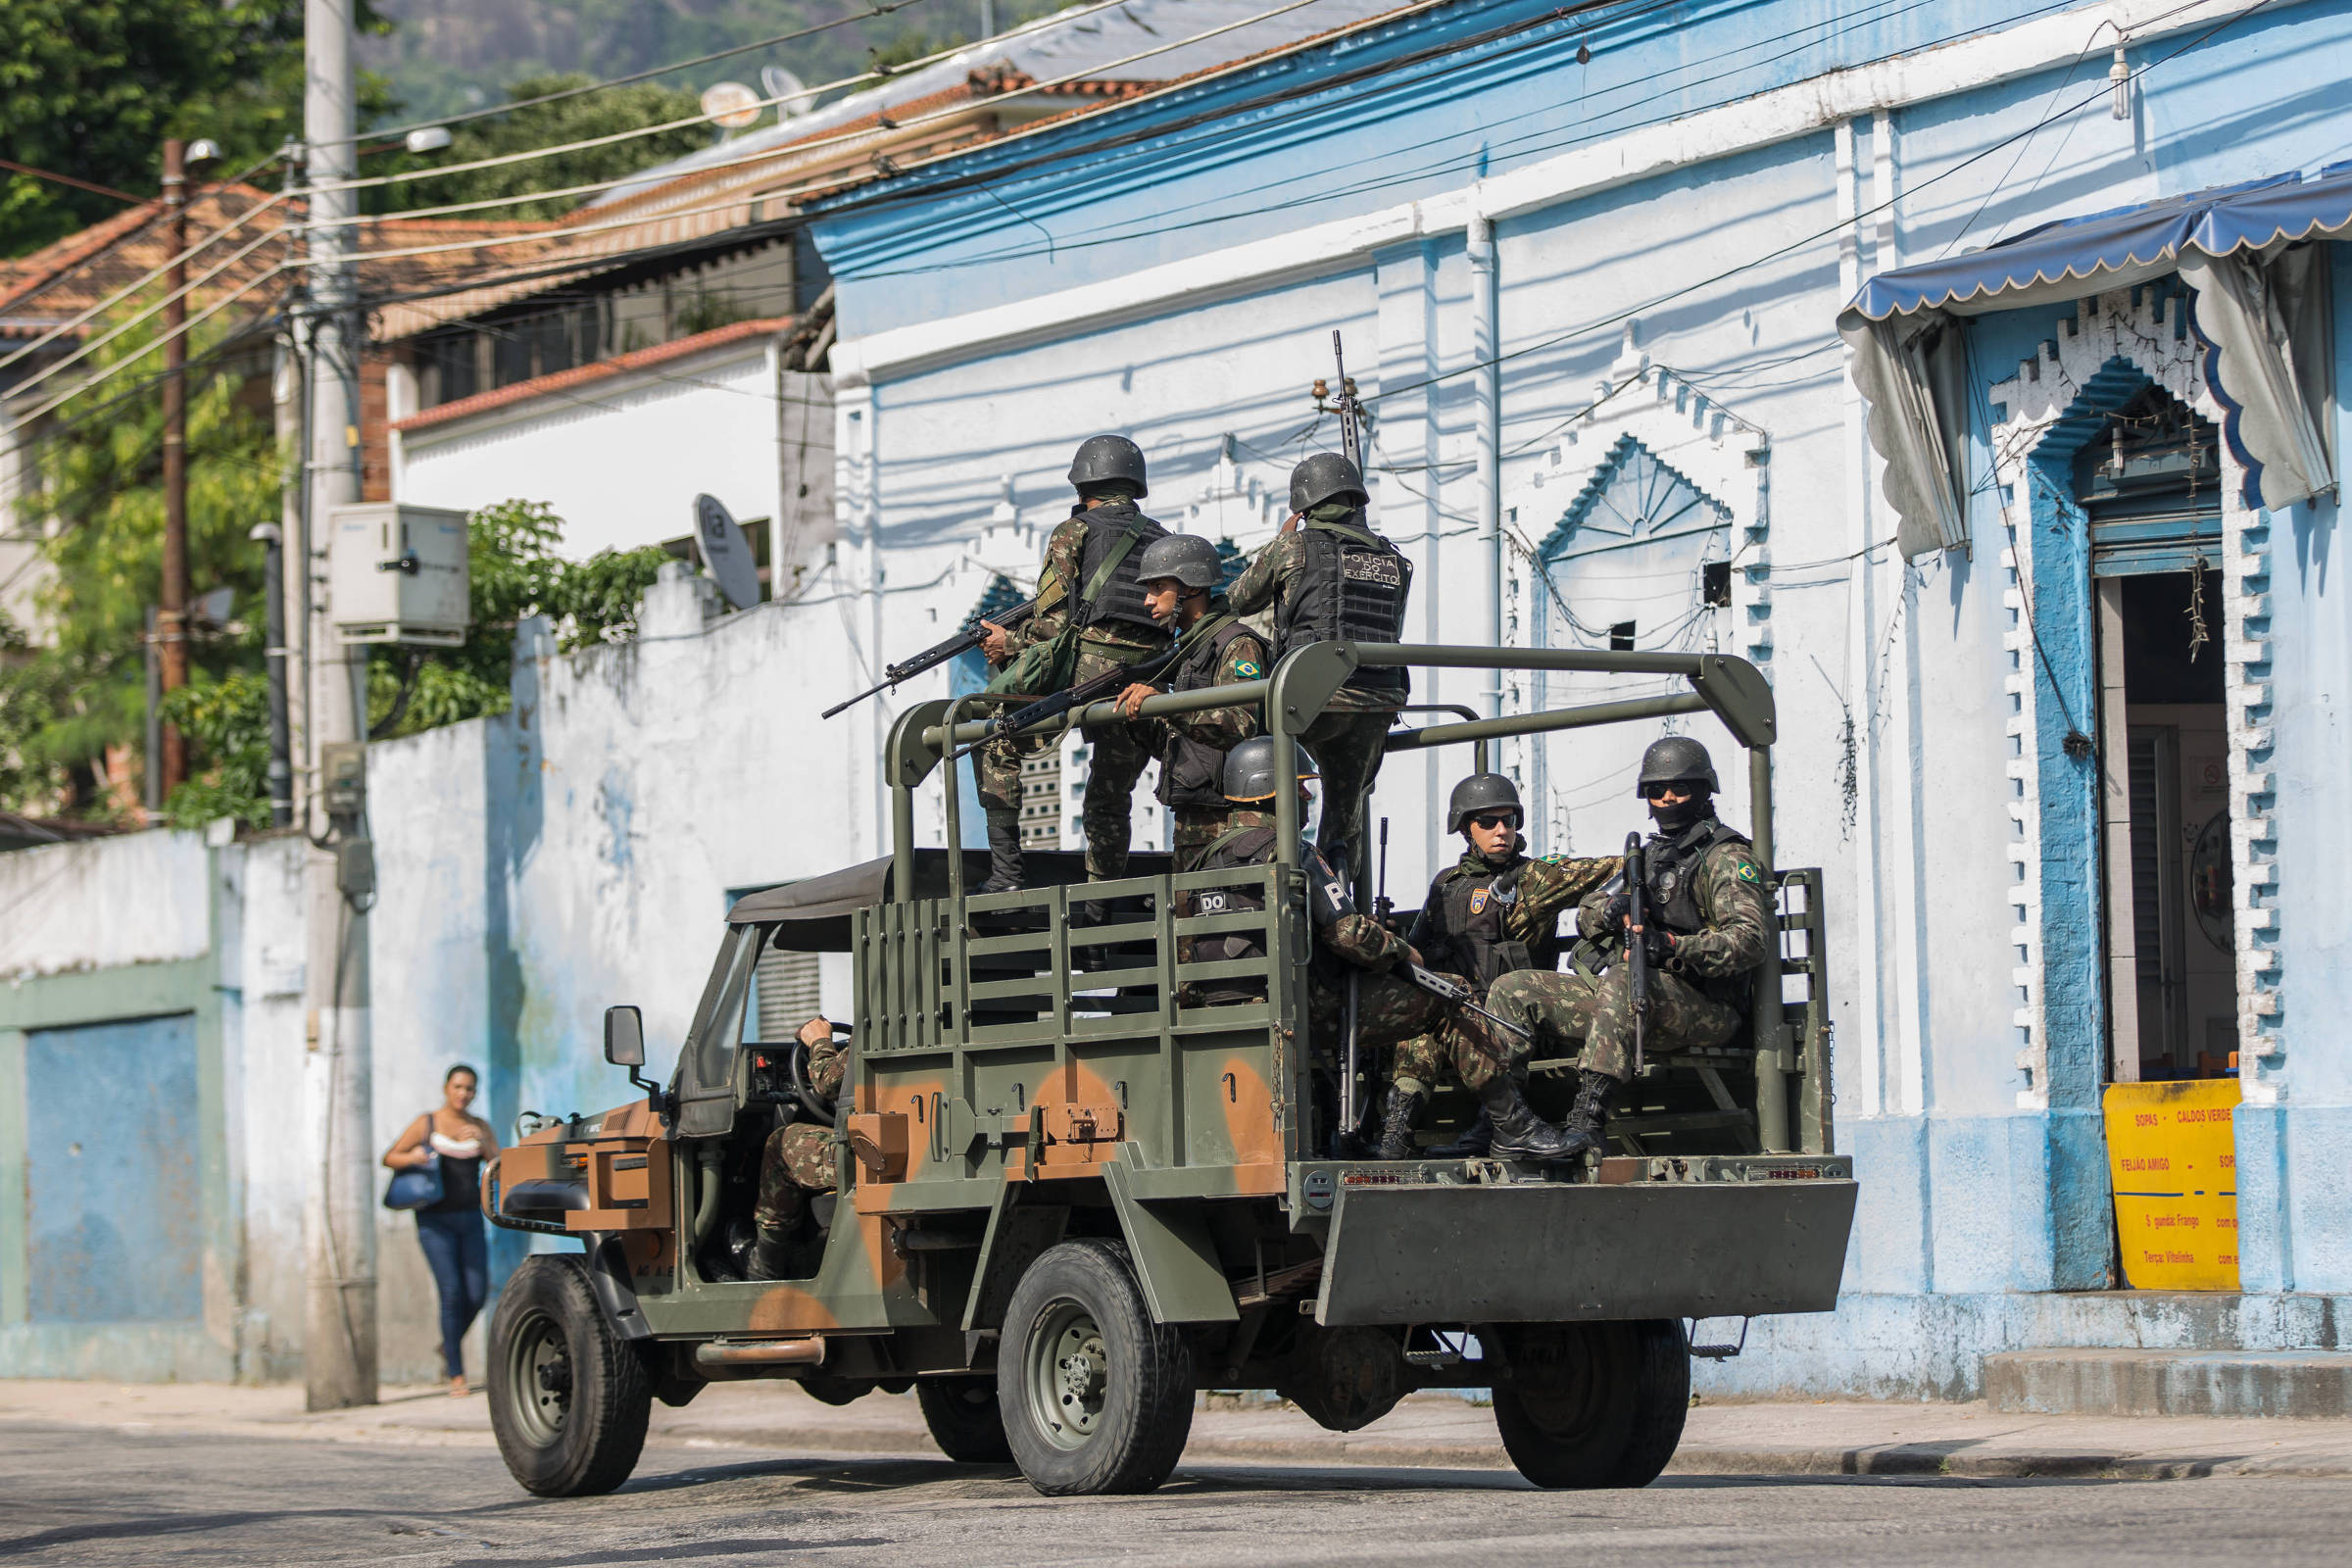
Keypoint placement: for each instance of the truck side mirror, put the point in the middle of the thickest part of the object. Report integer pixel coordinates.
(624, 1036)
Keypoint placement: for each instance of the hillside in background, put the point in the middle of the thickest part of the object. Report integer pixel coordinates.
(443, 56)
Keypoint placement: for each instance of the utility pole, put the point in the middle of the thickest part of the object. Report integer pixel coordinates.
(340, 1343)
(171, 612)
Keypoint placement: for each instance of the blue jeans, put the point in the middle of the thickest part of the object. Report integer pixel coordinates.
(458, 1254)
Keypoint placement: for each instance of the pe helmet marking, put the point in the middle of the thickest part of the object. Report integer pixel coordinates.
(1249, 769)
(1186, 557)
(1326, 477)
(1675, 759)
(1103, 459)
(1482, 791)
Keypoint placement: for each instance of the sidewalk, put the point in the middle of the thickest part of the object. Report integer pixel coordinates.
(1823, 1439)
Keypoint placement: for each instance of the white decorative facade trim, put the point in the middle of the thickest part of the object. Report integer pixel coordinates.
(2141, 327)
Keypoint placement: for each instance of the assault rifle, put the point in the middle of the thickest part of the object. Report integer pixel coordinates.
(1636, 934)
(1346, 404)
(963, 642)
(1462, 997)
(1046, 709)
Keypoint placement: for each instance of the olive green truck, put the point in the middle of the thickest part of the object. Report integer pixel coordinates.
(1068, 1197)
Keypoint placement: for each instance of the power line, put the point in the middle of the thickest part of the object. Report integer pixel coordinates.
(873, 10)
(557, 148)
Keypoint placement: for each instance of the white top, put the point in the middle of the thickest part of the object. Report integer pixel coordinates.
(456, 1147)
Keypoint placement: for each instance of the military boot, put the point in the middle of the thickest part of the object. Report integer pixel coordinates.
(1519, 1133)
(1588, 1120)
(1397, 1126)
(1476, 1140)
(771, 1255)
(1004, 852)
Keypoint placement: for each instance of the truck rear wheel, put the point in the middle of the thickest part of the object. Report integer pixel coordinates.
(965, 1419)
(1594, 1404)
(569, 1399)
(1095, 1396)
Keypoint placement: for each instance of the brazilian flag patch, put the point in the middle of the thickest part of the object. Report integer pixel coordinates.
(1247, 670)
(1747, 871)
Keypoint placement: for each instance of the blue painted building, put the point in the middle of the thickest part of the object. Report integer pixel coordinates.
(2037, 554)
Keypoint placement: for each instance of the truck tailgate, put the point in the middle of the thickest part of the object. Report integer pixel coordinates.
(1555, 1253)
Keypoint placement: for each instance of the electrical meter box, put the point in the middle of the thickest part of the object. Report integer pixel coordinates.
(397, 574)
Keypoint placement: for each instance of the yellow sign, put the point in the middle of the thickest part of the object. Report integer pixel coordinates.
(2171, 1156)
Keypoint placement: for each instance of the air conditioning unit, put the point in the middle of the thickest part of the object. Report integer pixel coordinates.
(397, 574)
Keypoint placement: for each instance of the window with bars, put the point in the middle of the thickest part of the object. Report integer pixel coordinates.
(784, 993)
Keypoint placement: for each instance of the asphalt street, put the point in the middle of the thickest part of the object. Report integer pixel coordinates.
(77, 1495)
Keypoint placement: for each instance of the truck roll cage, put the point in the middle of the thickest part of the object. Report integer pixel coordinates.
(1296, 693)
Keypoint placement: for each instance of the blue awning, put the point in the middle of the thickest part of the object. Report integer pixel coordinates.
(2255, 303)
(2079, 255)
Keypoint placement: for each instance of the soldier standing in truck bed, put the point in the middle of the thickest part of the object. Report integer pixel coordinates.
(1711, 924)
(1494, 912)
(1090, 575)
(1330, 577)
(1180, 575)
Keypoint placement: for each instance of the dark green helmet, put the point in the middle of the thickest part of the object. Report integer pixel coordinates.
(1327, 476)
(1249, 770)
(1186, 557)
(1482, 791)
(1108, 460)
(1675, 759)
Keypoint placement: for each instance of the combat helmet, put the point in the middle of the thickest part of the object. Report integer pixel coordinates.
(1677, 759)
(1482, 791)
(1327, 476)
(1186, 557)
(1249, 770)
(1107, 458)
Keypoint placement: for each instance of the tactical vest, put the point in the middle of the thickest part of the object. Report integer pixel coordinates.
(1121, 599)
(1246, 845)
(1351, 588)
(1674, 867)
(1474, 929)
(1191, 773)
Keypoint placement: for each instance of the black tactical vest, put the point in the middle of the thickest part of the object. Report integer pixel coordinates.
(1121, 599)
(1249, 846)
(1673, 867)
(1474, 903)
(1191, 773)
(1353, 588)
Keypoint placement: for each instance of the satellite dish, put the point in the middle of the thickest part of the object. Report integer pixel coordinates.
(730, 105)
(726, 553)
(791, 95)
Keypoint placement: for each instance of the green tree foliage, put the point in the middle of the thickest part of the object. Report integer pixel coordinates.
(567, 119)
(91, 87)
(99, 496)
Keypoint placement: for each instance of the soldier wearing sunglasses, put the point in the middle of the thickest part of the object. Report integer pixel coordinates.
(1494, 912)
(1710, 923)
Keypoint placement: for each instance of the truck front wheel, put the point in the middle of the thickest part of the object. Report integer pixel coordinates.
(1594, 1404)
(569, 1399)
(1095, 1396)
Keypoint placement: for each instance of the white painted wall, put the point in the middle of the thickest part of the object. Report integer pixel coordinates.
(136, 899)
(622, 458)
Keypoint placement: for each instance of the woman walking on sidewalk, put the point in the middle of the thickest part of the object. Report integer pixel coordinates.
(450, 1228)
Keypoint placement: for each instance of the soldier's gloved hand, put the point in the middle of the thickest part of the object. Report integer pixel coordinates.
(1598, 920)
(1658, 943)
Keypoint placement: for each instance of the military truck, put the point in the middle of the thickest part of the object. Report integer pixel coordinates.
(1071, 1192)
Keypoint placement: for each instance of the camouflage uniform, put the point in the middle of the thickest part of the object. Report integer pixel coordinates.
(1118, 753)
(1698, 994)
(1348, 736)
(1194, 828)
(798, 1155)
(1541, 890)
